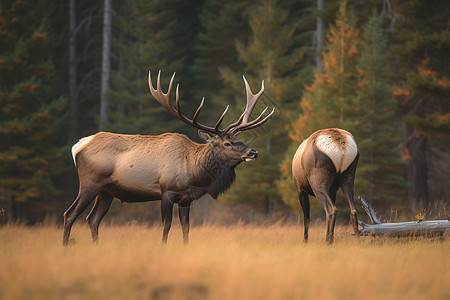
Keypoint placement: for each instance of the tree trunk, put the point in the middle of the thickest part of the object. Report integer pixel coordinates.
(405, 229)
(417, 172)
(435, 227)
(73, 101)
(268, 206)
(6, 207)
(121, 71)
(320, 33)
(105, 63)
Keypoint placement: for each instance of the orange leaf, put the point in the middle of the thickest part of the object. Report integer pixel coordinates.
(444, 82)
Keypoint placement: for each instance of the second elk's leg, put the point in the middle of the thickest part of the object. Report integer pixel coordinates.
(347, 186)
(321, 188)
(303, 198)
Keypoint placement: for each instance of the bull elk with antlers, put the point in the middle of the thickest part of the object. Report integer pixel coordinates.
(323, 163)
(168, 167)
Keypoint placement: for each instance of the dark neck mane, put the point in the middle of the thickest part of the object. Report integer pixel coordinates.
(216, 175)
(224, 177)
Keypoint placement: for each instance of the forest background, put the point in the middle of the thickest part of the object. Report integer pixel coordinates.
(379, 69)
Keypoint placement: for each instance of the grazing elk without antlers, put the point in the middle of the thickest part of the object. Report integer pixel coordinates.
(168, 167)
(323, 163)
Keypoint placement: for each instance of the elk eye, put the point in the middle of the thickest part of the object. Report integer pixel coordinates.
(227, 144)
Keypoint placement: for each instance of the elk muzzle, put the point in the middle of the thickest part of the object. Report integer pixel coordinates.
(250, 155)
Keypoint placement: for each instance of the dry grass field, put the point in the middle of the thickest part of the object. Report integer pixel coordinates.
(235, 262)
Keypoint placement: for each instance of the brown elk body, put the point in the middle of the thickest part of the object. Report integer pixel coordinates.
(323, 163)
(168, 167)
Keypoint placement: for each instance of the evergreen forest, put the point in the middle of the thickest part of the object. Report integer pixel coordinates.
(379, 69)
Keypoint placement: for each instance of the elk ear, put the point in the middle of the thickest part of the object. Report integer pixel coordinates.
(206, 136)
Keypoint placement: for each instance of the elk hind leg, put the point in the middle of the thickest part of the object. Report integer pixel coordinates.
(331, 213)
(347, 189)
(183, 213)
(101, 207)
(331, 222)
(82, 201)
(303, 198)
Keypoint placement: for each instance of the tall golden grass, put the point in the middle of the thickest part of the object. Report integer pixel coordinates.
(235, 262)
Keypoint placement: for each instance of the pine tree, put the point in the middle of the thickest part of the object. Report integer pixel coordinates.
(86, 83)
(270, 55)
(380, 168)
(31, 115)
(331, 100)
(222, 23)
(142, 42)
(421, 44)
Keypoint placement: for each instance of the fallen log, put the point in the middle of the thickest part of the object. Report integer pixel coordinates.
(416, 228)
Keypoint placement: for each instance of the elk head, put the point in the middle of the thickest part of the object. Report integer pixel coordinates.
(224, 142)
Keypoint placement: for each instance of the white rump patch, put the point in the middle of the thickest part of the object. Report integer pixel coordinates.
(342, 155)
(79, 146)
(300, 149)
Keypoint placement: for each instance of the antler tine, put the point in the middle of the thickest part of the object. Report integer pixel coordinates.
(248, 107)
(177, 101)
(158, 94)
(158, 82)
(164, 100)
(221, 118)
(256, 124)
(251, 99)
(233, 125)
(197, 112)
(243, 123)
(169, 89)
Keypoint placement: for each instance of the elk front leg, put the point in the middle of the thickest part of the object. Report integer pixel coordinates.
(303, 198)
(166, 214)
(183, 213)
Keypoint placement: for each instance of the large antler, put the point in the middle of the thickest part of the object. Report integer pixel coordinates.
(240, 125)
(243, 122)
(164, 100)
